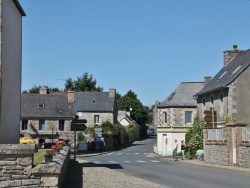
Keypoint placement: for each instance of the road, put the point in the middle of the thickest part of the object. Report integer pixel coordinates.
(134, 161)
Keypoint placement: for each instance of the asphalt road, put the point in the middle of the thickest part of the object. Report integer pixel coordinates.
(134, 161)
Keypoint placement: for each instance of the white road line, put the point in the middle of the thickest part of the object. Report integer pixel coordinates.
(127, 161)
(97, 162)
(110, 153)
(145, 153)
(136, 153)
(141, 161)
(112, 161)
(154, 161)
(118, 153)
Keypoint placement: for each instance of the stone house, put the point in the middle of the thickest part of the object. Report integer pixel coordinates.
(11, 14)
(124, 119)
(175, 115)
(229, 90)
(47, 117)
(97, 107)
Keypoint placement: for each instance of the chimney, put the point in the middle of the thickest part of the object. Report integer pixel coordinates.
(207, 79)
(71, 96)
(112, 93)
(229, 55)
(43, 91)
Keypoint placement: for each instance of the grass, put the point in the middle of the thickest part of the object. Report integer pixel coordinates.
(39, 156)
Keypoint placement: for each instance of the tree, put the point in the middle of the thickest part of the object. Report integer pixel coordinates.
(35, 89)
(82, 83)
(130, 102)
(194, 136)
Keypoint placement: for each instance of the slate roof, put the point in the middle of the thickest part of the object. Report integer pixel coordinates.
(228, 74)
(55, 106)
(94, 102)
(182, 96)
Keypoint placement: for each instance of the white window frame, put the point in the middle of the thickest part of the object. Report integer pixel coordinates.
(96, 119)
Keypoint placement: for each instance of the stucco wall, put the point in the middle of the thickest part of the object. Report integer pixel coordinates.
(243, 97)
(10, 72)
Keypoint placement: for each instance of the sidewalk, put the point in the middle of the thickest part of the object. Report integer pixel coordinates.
(89, 175)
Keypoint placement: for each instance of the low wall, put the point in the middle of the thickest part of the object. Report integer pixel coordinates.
(16, 170)
(244, 155)
(215, 153)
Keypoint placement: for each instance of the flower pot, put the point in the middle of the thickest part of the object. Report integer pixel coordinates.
(48, 158)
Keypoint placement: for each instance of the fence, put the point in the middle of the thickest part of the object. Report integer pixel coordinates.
(246, 135)
(216, 135)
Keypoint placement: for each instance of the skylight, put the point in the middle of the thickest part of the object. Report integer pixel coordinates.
(223, 74)
(236, 70)
(40, 105)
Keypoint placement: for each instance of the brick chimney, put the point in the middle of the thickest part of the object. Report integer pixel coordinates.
(43, 91)
(230, 54)
(71, 96)
(207, 79)
(112, 93)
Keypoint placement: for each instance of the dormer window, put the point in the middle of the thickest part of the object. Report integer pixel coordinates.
(40, 105)
(235, 70)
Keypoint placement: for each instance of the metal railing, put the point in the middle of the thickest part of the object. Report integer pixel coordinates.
(246, 134)
(218, 135)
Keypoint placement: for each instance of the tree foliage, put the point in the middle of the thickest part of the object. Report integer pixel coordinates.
(35, 89)
(85, 82)
(109, 128)
(138, 112)
(194, 136)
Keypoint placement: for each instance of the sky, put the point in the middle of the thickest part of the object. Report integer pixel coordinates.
(146, 46)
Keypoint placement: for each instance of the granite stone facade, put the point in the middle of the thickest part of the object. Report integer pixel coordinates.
(16, 170)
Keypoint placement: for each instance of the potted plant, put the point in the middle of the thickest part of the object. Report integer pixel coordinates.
(49, 153)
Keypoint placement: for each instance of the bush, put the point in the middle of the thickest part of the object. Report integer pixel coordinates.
(109, 128)
(194, 137)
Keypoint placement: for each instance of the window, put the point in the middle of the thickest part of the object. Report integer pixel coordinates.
(204, 101)
(165, 115)
(221, 97)
(188, 117)
(61, 125)
(212, 100)
(96, 119)
(40, 105)
(222, 75)
(41, 124)
(24, 124)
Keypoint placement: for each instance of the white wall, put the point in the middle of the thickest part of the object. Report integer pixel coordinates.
(171, 137)
(11, 59)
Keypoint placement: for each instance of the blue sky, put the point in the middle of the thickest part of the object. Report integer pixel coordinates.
(147, 46)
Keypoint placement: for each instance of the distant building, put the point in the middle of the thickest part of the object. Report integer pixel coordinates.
(175, 116)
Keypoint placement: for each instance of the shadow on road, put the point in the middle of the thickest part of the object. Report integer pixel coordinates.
(74, 175)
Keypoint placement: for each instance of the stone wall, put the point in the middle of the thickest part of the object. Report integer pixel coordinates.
(244, 156)
(16, 170)
(215, 153)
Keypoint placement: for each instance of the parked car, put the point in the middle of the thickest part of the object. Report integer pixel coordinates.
(151, 131)
(26, 140)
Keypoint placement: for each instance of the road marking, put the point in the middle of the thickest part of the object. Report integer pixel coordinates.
(136, 153)
(141, 161)
(110, 153)
(154, 161)
(118, 153)
(145, 153)
(97, 162)
(127, 161)
(112, 161)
